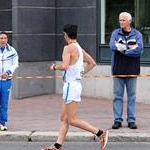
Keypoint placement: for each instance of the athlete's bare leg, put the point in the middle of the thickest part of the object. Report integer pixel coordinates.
(64, 124)
(69, 117)
(71, 110)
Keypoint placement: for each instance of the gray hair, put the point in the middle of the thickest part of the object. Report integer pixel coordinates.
(128, 15)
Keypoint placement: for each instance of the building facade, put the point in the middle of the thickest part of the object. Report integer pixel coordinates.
(36, 27)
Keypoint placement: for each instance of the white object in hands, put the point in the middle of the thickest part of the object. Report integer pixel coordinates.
(120, 47)
(133, 46)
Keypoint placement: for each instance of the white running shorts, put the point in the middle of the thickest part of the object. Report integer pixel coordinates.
(72, 91)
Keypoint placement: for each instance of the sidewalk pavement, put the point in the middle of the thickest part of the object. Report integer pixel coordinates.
(37, 119)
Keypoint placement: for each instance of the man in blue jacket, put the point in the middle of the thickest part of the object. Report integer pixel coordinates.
(8, 64)
(126, 45)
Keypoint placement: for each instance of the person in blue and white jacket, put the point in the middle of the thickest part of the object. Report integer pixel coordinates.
(126, 45)
(8, 64)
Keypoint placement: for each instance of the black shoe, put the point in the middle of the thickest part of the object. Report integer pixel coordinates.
(132, 125)
(116, 125)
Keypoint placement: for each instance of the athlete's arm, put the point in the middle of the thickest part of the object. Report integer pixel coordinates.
(65, 61)
(90, 62)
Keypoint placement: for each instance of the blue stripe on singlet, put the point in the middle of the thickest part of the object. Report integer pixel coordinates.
(64, 76)
(67, 93)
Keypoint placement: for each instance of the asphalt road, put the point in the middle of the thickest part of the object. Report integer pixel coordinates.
(75, 145)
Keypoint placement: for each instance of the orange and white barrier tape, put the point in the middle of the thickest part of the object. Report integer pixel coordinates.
(85, 76)
(36, 77)
(118, 76)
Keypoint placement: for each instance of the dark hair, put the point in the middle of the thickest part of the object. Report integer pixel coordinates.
(3, 32)
(71, 30)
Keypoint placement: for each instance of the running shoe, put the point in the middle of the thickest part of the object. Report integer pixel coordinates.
(104, 139)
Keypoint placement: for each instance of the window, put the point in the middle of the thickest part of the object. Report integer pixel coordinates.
(108, 12)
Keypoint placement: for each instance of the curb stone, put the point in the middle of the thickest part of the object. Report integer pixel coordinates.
(35, 136)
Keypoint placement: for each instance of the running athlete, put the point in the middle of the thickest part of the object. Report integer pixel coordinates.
(72, 65)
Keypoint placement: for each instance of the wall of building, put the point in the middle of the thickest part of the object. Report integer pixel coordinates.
(82, 13)
(33, 26)
(5, 15)
(31, 87)
(37, 35)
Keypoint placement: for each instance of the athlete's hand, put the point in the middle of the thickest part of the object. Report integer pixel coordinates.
(5, 76)
(52, 67)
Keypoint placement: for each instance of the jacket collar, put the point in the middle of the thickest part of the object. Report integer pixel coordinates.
(130, 34)
(8, 47)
